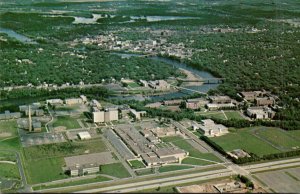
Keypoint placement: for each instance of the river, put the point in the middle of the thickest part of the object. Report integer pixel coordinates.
(172, 95)
(17, 36)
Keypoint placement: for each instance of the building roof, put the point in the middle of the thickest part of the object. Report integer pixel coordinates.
(84, 135)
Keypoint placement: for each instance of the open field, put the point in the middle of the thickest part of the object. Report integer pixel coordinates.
(195, 161)
(281, 181)
(9, 171)
(64, 149)
(10, 144)
(44, 170)
(50, 158)
(8, 129)
(169, 168)
(211, 114)
(280, 138)
(71, 183)
(233, 115)
(116, 170)
(67, 121)
(193, 152)
(266, 141)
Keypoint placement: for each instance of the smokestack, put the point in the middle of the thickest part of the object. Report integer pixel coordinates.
(29, 119)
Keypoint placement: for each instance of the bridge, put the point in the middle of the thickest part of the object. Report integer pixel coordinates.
(205, 81)
(188, 89)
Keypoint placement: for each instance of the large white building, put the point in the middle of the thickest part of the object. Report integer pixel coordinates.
(211, 129)
(105, 116)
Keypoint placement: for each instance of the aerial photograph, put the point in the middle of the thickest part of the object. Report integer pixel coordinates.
(150, 96)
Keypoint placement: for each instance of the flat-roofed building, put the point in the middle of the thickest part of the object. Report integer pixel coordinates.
(84, 135)
(73, 101)
(10, 115)
(83, 98)
(54, 101)
(265, 101)
(95, 103)
(98, 116)
(209, 128)
(252, 95)
(260, 113)
(172, 102)
(111, 114)
(192, 104)
(220, 99)
(220, 106)
(137, 115)
(159, 85)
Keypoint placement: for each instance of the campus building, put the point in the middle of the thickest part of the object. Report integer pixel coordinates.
(260, 113)
(209, 128)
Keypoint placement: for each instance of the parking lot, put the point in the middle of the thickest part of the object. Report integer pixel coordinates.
(32, 139)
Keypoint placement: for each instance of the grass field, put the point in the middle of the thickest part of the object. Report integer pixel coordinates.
(133, 85)
(136, 164)
(44, 162)
(72, 183)
(8, 129)
(281, 139)
(44, 170)
(144, 172)
(116, 170)
(173, 168)
(9, 171)
(10, 144)
(217, 115)
(67, 121)
(194, 161)
(244, 139)
(183, 144)
(233, 115)
(64, 149)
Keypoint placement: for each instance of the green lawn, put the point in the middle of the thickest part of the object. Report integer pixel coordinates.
(133, 85)
(243, 139)
(64, 149)
(72, 183)
(9, 171)
(278, 137)
(44, 170)
(233, 115)
(116, 170)
(295, 133)
(173, 168)
(183, 144)
(8, 129)
(67, 121)
(10, 144)
(136, 164)
(144, 172)
(217, 115)
(194, 161)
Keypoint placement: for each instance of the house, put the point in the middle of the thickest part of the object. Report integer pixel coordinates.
(260, 113)
(210, 129)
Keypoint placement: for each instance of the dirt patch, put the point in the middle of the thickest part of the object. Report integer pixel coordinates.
(5, 134)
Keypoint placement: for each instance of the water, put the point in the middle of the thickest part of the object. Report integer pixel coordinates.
(17, 36)
(172, 95)
(161, 18)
